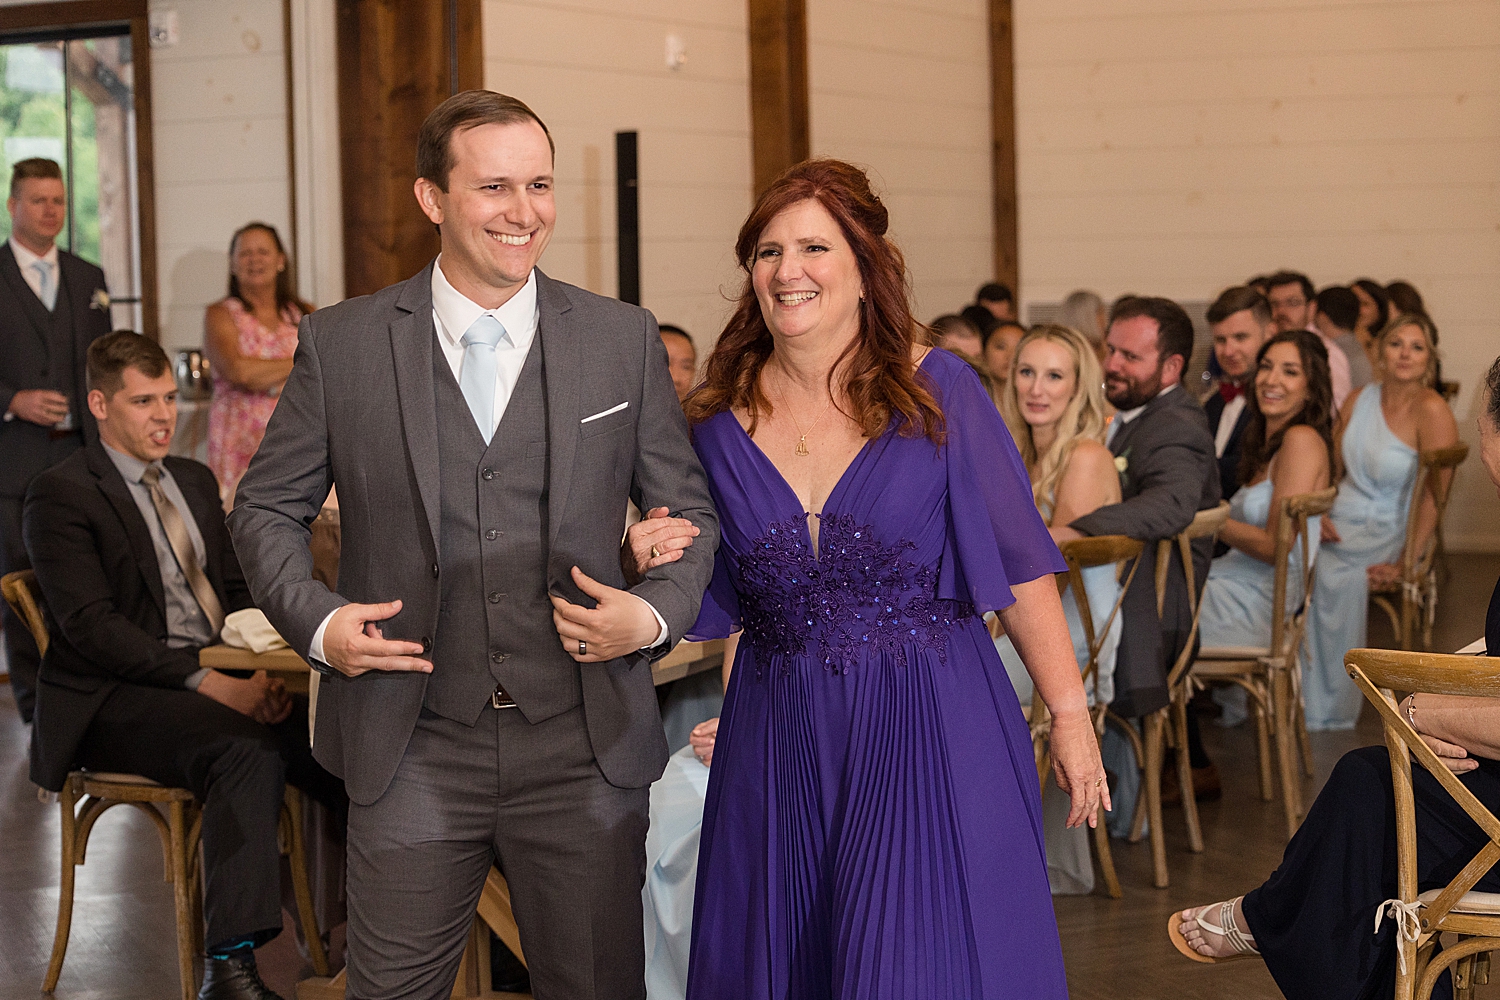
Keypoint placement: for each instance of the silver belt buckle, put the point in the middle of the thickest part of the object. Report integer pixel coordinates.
(499, 699)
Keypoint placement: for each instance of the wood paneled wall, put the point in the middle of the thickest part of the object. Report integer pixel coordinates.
(1003, 137)
(778, 87)
(398, 59)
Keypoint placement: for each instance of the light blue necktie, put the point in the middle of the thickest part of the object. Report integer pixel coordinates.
(477, 373)
(45, 289)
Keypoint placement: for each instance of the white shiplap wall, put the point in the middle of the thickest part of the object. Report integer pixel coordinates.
(1176, 147)
(219, 103)
(591, 68)
(901, 87)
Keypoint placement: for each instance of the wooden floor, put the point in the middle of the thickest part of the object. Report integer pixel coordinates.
(123, 949)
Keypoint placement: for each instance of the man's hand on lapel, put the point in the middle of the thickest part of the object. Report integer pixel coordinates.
(353, 645)
(621, 623)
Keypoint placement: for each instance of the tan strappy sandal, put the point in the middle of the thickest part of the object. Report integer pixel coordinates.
(1227, 928)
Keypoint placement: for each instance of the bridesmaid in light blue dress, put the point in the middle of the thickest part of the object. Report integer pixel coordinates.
(1053, 402)
(1387, 424)
(1287, 450)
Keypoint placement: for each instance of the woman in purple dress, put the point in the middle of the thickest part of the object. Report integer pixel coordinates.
(873, 822)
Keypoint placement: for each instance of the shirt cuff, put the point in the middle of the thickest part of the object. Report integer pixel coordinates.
(195, 678)
(315, 651)
(661, 636)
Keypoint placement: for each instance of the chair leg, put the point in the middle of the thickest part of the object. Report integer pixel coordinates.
(1106, 857)
(67, 799)
(177, 824)
(1142, 800)
(1185, 778)
(1263, 749)
(1155, 731)
(1291, 776)
(300, 887)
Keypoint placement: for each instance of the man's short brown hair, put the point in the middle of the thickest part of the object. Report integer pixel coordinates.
(112, 353)
(36, 166)
(459, 113)
(1238, 299)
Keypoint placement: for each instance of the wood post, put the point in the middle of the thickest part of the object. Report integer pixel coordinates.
(779, 135)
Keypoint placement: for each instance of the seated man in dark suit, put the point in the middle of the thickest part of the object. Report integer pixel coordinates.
(1240, 319)
(137, 573)
(1167, 475)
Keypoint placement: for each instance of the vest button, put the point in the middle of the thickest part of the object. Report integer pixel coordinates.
(495, 596)
(487, 474)
(492, 534)
(434, 571)
(497, 656)
(426, 644)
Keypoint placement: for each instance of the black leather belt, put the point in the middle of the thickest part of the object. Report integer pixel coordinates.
(499, 699)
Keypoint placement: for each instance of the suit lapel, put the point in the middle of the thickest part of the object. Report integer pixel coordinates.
(562, 356)
(412, 334)
(113, 486)
(30, 304)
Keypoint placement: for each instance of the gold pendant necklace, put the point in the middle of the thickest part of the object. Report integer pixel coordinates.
(802, 451)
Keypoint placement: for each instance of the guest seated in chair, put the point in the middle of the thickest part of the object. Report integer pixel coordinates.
(137, 573)
(1311, 921)
(1053, 403)
(1287, 450)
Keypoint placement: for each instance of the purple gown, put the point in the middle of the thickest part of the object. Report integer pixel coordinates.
(873, 825)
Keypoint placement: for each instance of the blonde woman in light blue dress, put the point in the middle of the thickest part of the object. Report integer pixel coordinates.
(1287, 450)
(1386, 425)
(1053, 403)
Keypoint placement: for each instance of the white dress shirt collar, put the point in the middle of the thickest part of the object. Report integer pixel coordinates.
(1128, 415)
(25, 258)
(456, 312)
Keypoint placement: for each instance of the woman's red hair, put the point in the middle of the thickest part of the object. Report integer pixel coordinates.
(879, 379)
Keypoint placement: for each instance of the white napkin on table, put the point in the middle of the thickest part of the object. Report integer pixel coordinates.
(249, 629)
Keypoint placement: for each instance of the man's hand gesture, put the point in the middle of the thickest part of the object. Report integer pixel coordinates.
(621, 623)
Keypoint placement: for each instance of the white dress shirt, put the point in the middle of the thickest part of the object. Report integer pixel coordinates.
(27, 261)
(1228, 419)
(452, 314)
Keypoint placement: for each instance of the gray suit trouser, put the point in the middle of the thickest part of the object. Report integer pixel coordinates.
(529, 799)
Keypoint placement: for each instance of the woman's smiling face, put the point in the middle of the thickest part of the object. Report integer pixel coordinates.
(805, 275)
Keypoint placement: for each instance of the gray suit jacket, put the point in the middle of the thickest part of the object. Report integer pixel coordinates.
(359, 411)
(1170, 475)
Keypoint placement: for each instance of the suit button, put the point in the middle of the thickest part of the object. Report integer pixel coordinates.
(495, 596)
(492, 534)
(434, 571)
(487, 474)
(497, 656)
(426, 644)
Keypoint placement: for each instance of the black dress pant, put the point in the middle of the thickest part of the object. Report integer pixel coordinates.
(1314, 918)
(21, 654)
(238, 769)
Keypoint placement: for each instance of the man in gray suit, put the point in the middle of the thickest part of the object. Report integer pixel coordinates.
(487, 694)
(1169, 474)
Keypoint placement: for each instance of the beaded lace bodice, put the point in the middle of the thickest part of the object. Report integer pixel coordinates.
(862, 597)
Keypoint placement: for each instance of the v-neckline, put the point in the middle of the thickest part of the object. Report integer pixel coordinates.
(838, 483)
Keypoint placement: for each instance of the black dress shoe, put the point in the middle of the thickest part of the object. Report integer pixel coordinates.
(234, 978)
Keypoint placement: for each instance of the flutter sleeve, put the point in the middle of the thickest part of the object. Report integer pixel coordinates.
(719, 615)
(996, 537)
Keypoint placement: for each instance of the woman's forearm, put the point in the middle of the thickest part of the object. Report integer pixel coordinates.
(1472, 723)
(257, 374)
(1036, 626)
(1257, 543)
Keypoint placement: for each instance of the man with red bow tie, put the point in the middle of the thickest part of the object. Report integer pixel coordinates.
(1240, 319)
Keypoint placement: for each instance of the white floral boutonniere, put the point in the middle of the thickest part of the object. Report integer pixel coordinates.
(1122, 464)
(100, 300)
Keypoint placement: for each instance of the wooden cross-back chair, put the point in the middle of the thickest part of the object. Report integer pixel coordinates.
(87, 795)
(1272, 674)
(1412, 599)
(1455, 908)
(1081, 554)
(1169, 723)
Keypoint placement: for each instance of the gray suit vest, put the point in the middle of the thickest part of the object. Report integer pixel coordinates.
(495, 623)
(60, 360)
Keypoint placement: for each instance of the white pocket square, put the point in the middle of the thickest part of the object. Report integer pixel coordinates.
(604, 413)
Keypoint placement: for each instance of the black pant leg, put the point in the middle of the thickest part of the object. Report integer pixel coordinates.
(235, 768)
(21, 651)
(1314, 918)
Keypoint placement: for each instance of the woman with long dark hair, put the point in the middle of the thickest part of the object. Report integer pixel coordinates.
(873, 826)
(250, 337)
(1288, 449)
(1374, 314)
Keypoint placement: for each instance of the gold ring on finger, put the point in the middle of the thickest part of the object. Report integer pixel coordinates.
(1098, 782)
(655, 553)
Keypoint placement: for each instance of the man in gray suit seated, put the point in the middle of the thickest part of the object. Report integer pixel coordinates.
(1168, 473)
(487, 691)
